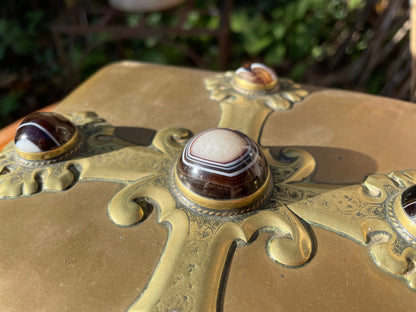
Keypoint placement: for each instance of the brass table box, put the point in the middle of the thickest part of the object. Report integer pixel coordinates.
(107, 225)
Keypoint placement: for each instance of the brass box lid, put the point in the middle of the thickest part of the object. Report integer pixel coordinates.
(62, 252)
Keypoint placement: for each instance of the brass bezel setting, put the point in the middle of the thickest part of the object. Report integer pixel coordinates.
(222, 205)
(246, 85)
(402, 216)
(53, 153)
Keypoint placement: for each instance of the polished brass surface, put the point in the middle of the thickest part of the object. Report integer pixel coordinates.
(217, 262)
(64, 254)
(341, 277)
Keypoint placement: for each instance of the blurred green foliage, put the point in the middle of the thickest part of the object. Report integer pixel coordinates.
(28, 63)
(15, 37)
(19, 40)
(284, 34)
(289, 35)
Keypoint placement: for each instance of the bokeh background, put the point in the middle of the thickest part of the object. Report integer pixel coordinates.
(48, 47)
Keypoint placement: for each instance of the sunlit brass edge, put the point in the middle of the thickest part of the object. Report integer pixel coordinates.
(403, 217)
(50, 154)
(246, 85)
(222, 204)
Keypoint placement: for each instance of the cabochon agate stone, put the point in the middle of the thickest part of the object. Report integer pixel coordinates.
(257, 73)
(409, 202)
(222, 164)
(43, 132)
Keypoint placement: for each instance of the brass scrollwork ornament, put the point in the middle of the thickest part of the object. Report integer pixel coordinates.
(34, 162)
(213, 192)
(378, 214)
(216, 190)
(250, 94)
(52, 153)
(256, 80)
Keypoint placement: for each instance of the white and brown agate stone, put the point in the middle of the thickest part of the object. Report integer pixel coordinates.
(257, 73)
(222, 164)
(44, 132)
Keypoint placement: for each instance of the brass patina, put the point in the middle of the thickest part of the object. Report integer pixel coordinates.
(347, 239)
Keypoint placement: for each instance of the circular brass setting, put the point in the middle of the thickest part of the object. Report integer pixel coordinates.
(68, 146)
(223, 205)
(240, 82)
(45, 136)
(406, 198)
(251, 77)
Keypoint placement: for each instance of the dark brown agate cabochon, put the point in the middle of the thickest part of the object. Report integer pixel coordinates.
(409, 202)
(222, 164)
(43, 132)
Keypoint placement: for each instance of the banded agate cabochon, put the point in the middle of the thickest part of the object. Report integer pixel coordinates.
(220, 146)
(257, 73)
(43, 132)
(222, 164)
(409, 203)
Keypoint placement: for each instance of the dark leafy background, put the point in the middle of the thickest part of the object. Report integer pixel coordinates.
(352, 44)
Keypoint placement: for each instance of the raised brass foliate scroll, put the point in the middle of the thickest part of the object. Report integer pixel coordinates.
(372, 215)
(245, 107)
(191, 274)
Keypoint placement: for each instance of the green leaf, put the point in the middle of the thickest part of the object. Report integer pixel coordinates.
(301, 9)
(279, 31)
(375, 83)
(238, 21)
(133, 19)
(257, 45)
(154, 19)
(33, 20)
(191, 20)
(298, 71)
(4, 23)
(355, 4)
(153, 56)
(10, 103)
(275, 56)
(213, 22)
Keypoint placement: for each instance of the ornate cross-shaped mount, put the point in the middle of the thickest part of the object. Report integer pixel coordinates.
(216, 191)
